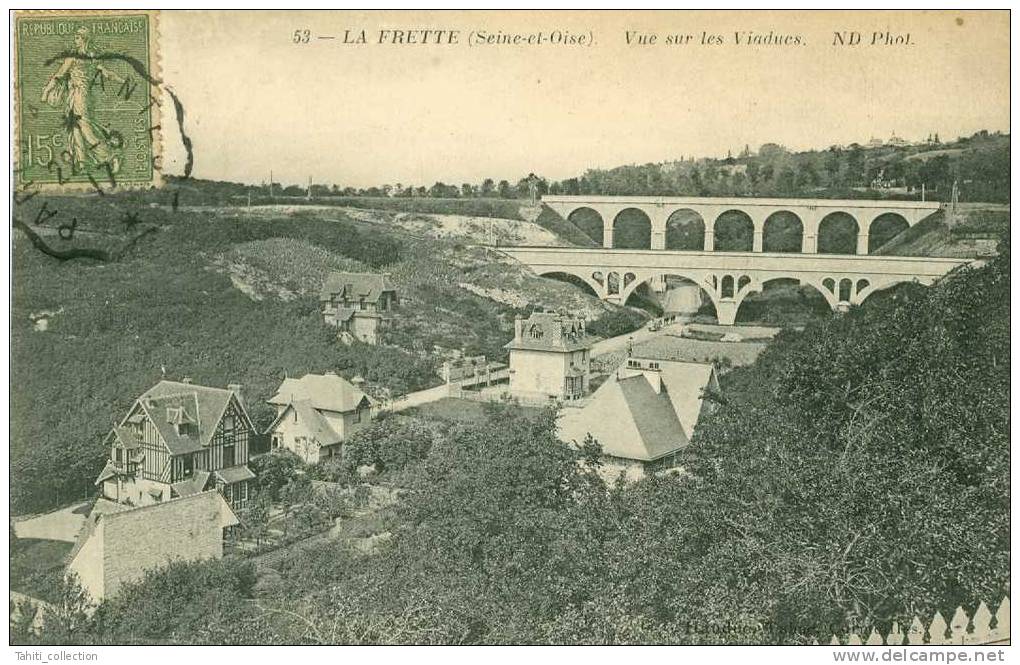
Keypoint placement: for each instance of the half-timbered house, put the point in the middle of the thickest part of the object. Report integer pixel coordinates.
(180, 439)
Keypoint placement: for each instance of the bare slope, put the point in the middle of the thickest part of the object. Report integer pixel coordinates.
(933, 237)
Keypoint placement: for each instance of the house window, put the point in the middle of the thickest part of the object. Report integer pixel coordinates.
(228, 455)
(535, 332)
(276, 441)
(228, 423)
(187, 466)
(228, 493)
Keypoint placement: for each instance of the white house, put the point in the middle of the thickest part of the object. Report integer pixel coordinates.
(550, 358)
(117, 543)
(316, 413)
(643, 415)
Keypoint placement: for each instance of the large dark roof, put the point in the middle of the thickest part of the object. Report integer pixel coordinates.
(547, 331)
(634, 421)
(199, 408)
(355, 285)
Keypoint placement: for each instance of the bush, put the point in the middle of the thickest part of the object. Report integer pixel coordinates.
(619, 321)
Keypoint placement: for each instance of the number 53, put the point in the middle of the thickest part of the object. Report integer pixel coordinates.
(301, 36)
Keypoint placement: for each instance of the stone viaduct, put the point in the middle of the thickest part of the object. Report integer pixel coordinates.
(728, 277)
(814, 215)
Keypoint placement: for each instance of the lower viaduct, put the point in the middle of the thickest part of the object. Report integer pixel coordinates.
(844, 276)
(728, 277)
(751, 220)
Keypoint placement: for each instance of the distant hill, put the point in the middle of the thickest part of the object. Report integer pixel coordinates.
(979, 164)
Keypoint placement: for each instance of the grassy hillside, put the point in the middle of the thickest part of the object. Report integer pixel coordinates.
(933, 237)
(856, 474)
(222, 298)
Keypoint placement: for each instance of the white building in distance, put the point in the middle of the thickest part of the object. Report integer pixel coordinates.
(550, 358)
(316, 413)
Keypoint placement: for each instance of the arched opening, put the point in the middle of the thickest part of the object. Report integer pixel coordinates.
(682, 300)
(685, 231)
(727, 290)
(837, 234)
(573, 280)
(783, 232)
(589, 221)
(628, 278)
(613, 283)
(632, 229)
(783, 302)
(734, 232)
(846, 288)
(884, 228)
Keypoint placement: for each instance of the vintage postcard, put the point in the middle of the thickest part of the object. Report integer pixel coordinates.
(426, 327)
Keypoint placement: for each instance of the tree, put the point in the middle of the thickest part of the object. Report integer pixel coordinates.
(274, 471)
(504, 190)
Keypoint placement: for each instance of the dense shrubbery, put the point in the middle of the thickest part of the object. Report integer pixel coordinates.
(858, 473)
(617, 322)
(390, 444)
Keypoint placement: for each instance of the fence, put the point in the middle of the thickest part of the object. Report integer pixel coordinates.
(939, 632)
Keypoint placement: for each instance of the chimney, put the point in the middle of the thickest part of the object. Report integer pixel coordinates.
(186, 379)
(518, 328)
(358, 381)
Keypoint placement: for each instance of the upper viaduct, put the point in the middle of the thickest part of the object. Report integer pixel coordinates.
(811, 219)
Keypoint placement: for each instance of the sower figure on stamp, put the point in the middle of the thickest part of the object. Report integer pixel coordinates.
(69, 87)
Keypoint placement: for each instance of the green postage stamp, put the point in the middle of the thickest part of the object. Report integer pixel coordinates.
(87, 98)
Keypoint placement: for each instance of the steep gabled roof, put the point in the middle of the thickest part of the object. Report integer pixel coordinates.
(325, 392)
(686, 383)
(355, 285)
(198, 408)
(632, 421)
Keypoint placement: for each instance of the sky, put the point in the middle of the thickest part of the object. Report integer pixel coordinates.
(371, 114)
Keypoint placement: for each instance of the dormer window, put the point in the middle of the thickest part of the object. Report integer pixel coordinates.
(535, 332)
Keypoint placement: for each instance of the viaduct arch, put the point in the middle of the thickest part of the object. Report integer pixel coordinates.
(809, 212)
(728, 277)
